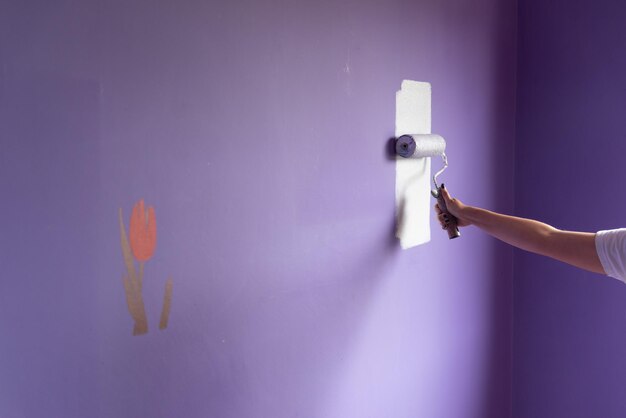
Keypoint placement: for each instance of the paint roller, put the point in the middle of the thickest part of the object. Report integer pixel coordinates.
(423, 146)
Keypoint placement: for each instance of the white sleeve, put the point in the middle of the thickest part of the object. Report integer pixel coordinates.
(611, 248)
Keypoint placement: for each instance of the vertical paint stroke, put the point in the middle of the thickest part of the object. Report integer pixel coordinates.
(413, 203)
(167, 304)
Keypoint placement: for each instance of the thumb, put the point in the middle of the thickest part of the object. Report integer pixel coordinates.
(445, 194)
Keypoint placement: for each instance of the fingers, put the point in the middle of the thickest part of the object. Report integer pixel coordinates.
(446, 216)
(445, 194)
(446, 197)
(444, 220)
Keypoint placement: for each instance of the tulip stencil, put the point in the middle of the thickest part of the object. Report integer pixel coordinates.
(141, 247)
(142, 232)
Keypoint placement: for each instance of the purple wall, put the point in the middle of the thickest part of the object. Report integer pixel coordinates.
(570, 337)
(257, 130)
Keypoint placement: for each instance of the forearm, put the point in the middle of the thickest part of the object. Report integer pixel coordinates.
(575, 248)
(527, 234)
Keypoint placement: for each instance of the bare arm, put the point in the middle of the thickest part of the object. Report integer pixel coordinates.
(575, 248)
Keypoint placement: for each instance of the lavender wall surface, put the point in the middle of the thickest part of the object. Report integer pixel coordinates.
(258, 131)
(569, 325)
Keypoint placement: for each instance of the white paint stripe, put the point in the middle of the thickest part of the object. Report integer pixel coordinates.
(413, 174)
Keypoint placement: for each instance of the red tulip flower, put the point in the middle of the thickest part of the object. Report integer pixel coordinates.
(142, 232)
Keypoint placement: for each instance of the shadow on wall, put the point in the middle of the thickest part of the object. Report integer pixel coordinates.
(390, 149)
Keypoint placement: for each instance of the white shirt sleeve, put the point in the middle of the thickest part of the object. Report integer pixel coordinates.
(611, 248)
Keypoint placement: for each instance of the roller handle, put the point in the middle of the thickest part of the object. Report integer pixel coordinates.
(452, 229)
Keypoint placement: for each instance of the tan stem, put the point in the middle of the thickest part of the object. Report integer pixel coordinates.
(135, 308)
(141, 264)
(126, 251)
(167, 304)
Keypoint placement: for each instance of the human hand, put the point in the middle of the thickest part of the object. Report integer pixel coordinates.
(455, 207)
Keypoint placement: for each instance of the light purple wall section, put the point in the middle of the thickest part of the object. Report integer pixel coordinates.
(258, 130)
(570, 326)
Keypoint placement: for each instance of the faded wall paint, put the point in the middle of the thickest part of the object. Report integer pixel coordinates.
(258, 130)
